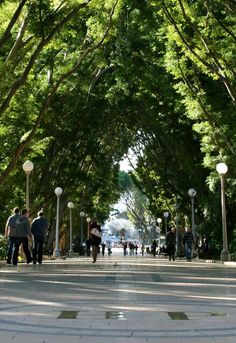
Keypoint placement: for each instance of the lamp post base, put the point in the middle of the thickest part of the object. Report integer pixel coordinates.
(225, 255)
(70, 252)
(56, 252)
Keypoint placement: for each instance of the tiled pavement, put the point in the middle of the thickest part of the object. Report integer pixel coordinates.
(120, 299)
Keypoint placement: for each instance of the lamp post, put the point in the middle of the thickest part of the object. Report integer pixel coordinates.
(222, 170)
(82, 214)
(58, 192)
(192, 193)
(177, 229)
(27, 167)
(70, 206)
(159, 220)
(88, 221)
(166, 215)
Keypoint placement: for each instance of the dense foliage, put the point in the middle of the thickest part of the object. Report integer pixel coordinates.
(82, 81)
(3, 247)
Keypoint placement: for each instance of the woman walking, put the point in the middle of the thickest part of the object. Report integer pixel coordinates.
(95, 234)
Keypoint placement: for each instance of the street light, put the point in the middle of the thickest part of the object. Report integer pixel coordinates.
(177, 228)
(58, 192)
(82, 214)
(192, 193)
(27, 167)
(166, 215)
(88, 221)
(222, 170)
(70, 206)
(159, 220)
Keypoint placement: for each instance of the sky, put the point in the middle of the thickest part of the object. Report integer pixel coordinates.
(125, 165)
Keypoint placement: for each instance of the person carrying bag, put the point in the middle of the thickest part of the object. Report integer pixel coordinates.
(95, 236)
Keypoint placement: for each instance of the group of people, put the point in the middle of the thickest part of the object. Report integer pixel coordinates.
(188, 243)
(170, 250)
(95, 235)
(107, 245)
(18, 229)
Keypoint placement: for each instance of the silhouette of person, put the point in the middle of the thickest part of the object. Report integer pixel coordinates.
(39, 228)
(10, 232)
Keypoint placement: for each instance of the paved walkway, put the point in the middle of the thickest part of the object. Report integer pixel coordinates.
(120, 299)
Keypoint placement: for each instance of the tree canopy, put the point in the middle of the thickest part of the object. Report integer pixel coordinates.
(82, 81)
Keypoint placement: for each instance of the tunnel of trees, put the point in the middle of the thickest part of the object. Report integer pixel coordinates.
(83, 81)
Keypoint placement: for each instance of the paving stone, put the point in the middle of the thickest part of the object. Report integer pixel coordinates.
(119, 299)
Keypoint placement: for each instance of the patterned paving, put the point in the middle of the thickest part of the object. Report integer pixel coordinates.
(118, 299)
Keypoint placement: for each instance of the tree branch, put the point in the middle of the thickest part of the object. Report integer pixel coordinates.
(49, 98)
(18, 41)
(21, 80)
(99, 74)
(7, 33)
(214, 69)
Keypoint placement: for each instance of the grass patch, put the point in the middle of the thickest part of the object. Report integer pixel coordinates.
(68, 315)
(178, 316)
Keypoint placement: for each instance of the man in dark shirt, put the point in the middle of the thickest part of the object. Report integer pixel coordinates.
(22, 234)
(154, 248)
(170, 243)
(10, 232)
(188, 242)
(38, 229)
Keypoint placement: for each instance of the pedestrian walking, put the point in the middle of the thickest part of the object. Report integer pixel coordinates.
(154, 247)
(142, 248)
(10, 232)
(170, 243)
(125, 248)
(39, 228)
(131, 248)
(103, 248)
(109, 246)
(22, 234)
(188, 242)
(95, 234)
(88, 245)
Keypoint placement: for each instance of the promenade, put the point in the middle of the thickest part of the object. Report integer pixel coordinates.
(120, 299)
